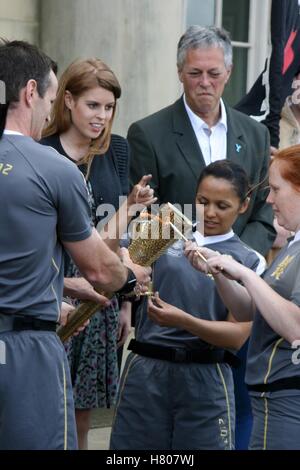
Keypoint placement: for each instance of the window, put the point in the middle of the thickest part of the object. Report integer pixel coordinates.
(2, 93)
(248, 24)
(236, 21)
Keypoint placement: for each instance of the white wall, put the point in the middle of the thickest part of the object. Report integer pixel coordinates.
(19, 19)
(136, 38)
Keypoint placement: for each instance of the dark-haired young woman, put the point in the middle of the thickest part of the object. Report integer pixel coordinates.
(177, 388)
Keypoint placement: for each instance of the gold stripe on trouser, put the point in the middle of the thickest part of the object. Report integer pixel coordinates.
(263, 393)
(266, 423)
(227, 404)
(271, 360)
(122, 387)
(65, 409)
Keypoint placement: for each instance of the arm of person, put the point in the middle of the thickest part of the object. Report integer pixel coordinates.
(259, 232)
(101, 266)
(80, 288)
(141, 196)
(65, 310)
(97, 263)
(142, 156)
(281, 314)
(234, 295)
(227, 334)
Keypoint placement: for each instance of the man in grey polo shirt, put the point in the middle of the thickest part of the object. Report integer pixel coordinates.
(43, 209)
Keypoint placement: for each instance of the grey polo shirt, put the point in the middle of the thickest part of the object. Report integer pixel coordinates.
(43, 201)
(181, 285)
(270, 357)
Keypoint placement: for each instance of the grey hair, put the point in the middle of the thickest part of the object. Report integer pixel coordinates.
(203, 37)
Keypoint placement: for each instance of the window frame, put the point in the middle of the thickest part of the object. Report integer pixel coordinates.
(259, 44)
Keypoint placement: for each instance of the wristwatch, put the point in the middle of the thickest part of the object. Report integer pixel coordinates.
(129, 285)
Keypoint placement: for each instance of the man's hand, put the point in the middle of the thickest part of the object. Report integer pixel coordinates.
(79, 288)
(65, 311)
(142, 274)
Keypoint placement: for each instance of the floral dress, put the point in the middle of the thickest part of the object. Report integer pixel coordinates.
(93, 353)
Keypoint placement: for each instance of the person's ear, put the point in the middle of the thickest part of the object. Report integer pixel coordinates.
(69, 100)
(228, 71)
(244, 205)
(30, 91)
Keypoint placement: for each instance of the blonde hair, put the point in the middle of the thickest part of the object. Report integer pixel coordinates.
(79, 77)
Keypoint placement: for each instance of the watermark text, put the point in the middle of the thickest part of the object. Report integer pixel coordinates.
(2, 92)
(2, 353)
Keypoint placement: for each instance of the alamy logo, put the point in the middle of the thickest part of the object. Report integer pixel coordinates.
(2, 92)
(296, 93)
(2, 353)
(108, 226)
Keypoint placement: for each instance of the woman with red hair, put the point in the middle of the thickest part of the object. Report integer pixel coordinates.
(273, 302)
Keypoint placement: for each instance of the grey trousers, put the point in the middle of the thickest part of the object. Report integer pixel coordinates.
(36, 400)
(276, 421)
(165, 405)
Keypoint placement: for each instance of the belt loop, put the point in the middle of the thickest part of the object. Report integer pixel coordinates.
(180, 355)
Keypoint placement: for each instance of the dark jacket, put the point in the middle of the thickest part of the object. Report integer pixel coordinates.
(165, 145)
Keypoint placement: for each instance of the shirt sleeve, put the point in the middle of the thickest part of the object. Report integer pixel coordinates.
(295, 294)
(74, 214)
(256, 262)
